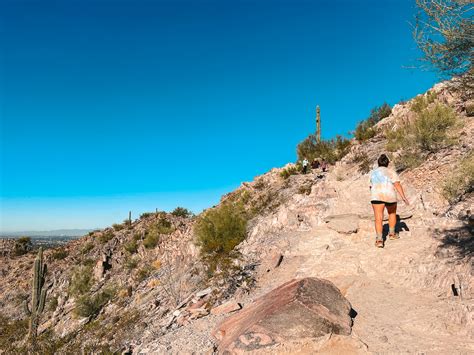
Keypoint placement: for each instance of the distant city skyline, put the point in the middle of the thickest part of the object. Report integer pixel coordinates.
(111, 106)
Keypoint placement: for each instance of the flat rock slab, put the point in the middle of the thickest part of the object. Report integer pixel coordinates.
(343, 223)
(304, 308)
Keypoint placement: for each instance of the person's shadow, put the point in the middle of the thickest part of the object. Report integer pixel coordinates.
(399, 227)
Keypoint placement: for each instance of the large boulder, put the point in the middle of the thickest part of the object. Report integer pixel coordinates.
(343, 223)
(304, 308)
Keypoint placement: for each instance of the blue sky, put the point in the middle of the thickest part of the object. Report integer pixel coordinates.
(109, 106)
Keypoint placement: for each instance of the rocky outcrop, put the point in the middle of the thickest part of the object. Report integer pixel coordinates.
(302, 308)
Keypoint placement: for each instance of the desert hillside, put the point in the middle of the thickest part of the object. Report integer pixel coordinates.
(279, 258)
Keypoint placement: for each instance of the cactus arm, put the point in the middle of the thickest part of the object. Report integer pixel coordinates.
(36, 285)
(42, 300)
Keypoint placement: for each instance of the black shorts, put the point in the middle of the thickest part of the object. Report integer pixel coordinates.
(375, 202)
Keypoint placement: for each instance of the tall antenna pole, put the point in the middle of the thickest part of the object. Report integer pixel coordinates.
(318, 123)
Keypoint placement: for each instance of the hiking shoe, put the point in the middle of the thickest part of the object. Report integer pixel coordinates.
(393, 236)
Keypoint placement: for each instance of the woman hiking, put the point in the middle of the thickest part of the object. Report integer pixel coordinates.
(384, 185)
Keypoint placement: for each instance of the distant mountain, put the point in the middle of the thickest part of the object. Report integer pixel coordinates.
(52, 233)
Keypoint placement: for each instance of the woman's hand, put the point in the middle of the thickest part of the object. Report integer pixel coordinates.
(400, 191)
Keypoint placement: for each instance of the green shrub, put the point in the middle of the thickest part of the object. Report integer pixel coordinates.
(131, 263)
(145, 215)
(88, 262)
(331, 150)
(363, 161)
(430, 131)
(470, 109)
(59, 254)
(162, 226)
(87, 247)
(87, 306)
(218, 231)
(11, 331)
(408, 160)
(431, 128)
(151, 240)
(144, 272)
(118, 227)
(131, 246)
(81, 280)
(52, 304)
(22, 246)
(260, 183)
(288, 171)
(421, 102)
(398, 138)
(460, 181)
(106, 236)
(181, 212)
(365, 129)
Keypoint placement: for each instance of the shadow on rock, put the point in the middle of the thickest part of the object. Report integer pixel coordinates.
(456, 242)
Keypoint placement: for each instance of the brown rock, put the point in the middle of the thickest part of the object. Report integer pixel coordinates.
(304, 308)
(227, 307)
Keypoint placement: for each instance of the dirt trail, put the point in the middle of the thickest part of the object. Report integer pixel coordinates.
(401, 293)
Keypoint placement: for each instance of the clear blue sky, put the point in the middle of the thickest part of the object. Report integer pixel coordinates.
(108, 106)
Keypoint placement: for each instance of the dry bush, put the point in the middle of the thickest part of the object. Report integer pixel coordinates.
(363, 161)
(433, 129)
(81, 280)
(106, 236)
(87, 305)
(117, 226)
(288, 171)
(174, 273)
(408, 160)
(460, 181)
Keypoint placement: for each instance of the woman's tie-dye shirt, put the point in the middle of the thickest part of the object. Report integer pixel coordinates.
(381, 185)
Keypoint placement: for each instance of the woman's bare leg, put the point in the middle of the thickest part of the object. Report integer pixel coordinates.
(392, 218)
(378, 214)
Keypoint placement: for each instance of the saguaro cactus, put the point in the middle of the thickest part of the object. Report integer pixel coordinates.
(38, 295)
(318, 123)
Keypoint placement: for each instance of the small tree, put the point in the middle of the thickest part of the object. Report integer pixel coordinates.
(444, 31)
(331, 150)
(365, 129)
(181, 212)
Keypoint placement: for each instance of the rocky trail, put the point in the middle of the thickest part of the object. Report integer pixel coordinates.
(413, 296)
(395, 312)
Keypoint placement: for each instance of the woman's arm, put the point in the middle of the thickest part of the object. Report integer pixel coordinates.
(399, 189)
